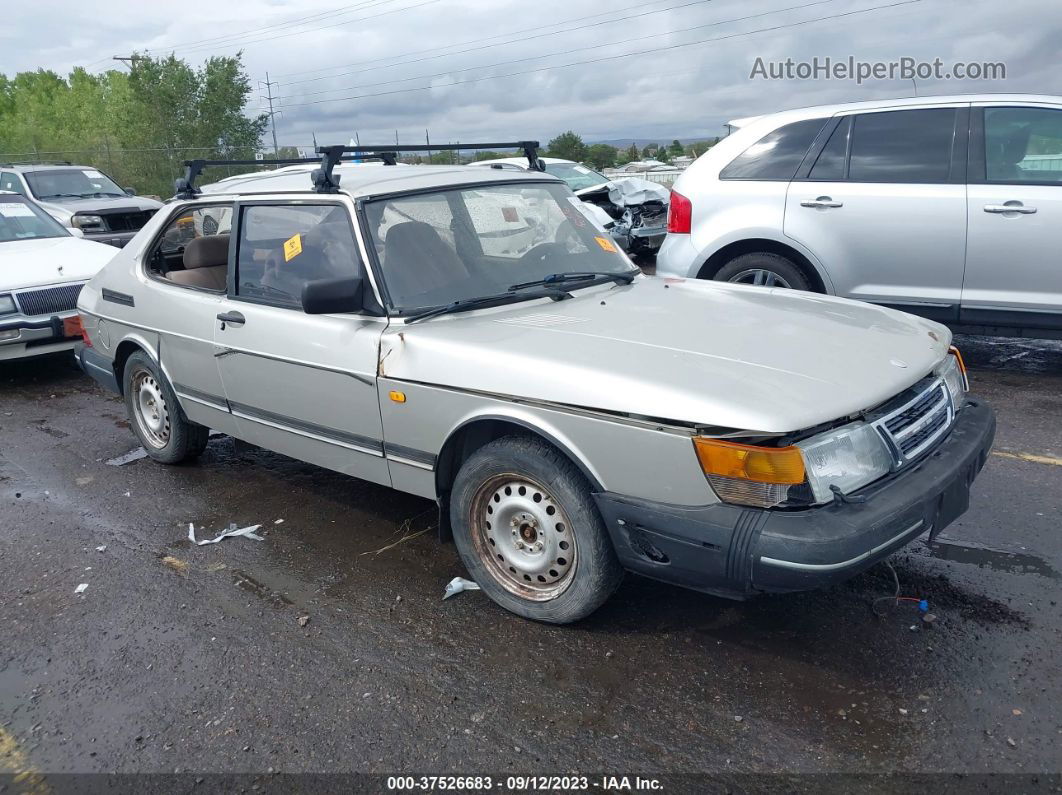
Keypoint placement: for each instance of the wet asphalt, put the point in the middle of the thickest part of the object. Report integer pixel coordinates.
(327, 647)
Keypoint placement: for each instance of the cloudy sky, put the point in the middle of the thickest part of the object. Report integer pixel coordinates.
(488, 69)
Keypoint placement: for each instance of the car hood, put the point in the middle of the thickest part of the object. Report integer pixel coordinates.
(68, 207)
(32, 263)
(703, 353)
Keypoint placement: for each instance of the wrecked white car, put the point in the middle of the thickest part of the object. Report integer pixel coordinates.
(572, 418)
(632, 209)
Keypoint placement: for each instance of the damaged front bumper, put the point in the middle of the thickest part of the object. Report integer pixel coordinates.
(732, 551)
(21, 336)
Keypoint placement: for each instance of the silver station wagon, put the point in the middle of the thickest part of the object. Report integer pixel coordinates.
(472, 336)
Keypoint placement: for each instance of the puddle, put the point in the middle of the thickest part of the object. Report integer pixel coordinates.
(260, 589)
(985, 557)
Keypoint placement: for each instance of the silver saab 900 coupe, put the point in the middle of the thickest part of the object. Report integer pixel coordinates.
(473, 337)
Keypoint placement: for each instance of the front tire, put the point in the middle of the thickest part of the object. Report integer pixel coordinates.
(528, 531)
(156, 416)
(764, 269)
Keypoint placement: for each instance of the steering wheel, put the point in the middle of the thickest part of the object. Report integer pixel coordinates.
(544, 252)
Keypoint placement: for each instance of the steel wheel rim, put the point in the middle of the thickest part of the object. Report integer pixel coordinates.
(759, 278)
(523, 537)
(150, 410)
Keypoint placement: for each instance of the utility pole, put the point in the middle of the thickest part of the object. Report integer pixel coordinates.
(272, 113)
(427, 142)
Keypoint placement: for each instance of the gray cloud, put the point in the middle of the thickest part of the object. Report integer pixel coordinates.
(671, 91)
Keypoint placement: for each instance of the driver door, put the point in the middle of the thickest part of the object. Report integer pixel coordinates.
(302, 385)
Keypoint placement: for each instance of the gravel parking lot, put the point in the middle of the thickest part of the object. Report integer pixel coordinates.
(185, 658)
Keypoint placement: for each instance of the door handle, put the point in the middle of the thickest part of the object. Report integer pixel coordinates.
(821, 203)
(1010, 207)
(233, 318)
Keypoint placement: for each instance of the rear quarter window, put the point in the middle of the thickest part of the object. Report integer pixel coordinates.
(777, 155)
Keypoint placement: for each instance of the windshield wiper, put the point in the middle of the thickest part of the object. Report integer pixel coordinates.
(481, 301)
(63, 196)
(101, 194)
(625, 277)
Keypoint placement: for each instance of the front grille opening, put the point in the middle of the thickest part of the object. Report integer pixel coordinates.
(50, 300)
(918, 438)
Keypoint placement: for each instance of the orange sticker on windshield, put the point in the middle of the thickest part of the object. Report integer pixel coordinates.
(510, 214)
(292, 247)
(606, 244)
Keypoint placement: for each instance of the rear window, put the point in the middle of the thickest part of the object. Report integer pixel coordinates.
(777, 155)
(20, 220)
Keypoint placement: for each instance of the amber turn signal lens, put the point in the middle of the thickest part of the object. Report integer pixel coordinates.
(397, 397)
(750, 462)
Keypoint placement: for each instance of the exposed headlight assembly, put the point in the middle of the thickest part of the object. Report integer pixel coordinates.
(953, 371)
(848, 457)
(7, 305)
(84, 221)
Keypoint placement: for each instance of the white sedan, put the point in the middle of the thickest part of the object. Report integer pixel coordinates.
(42, 270)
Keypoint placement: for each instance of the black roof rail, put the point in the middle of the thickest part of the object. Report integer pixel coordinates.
(324, 181)
(185, 186)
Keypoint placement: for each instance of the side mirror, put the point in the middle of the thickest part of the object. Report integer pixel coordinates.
(332, 296)
(75, 232)
(130, 191)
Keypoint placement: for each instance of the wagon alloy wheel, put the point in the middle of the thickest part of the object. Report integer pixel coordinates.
(760, 278)
(152, 414)
(523, 536)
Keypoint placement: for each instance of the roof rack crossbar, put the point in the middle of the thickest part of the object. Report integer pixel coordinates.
(325, 181)
(185, 186)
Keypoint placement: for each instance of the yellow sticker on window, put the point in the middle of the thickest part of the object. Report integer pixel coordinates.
(606, 244)
(292, 247)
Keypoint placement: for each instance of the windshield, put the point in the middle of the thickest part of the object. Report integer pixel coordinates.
(74, 183)
(436, 248)
(20, 220)
(577, 177)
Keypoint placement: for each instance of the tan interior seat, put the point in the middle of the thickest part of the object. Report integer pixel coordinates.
(205, 263)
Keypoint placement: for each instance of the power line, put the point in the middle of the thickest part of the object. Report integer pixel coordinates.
(286, 24)
(563, 52)
(315, 28)
(513, 41)
(536, 28)
(653, 51)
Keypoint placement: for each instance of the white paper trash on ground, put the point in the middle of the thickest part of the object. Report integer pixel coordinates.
(247, 532)
(458, 584)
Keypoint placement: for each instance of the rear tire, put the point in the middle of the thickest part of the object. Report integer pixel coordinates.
(155, 415)
(764, 269)
(529, 534)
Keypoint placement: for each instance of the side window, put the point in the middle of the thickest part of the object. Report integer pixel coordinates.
(907, 146)
(777, 155)
(1023, 145)
(284, 246)
(193, 248)
(831, 161)
(9, 181)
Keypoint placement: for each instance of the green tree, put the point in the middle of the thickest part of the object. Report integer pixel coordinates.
(569, 146)
(676, 149)
(137, 126)
(648, 151)
(601, 156)
(632, 152)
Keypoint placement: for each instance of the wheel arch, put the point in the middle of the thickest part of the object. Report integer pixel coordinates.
(475, 432)
(126, 348)
(718, 259)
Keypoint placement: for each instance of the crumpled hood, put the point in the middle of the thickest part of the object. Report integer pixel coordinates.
(704, 353)
(33, 263)
(68, 207)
